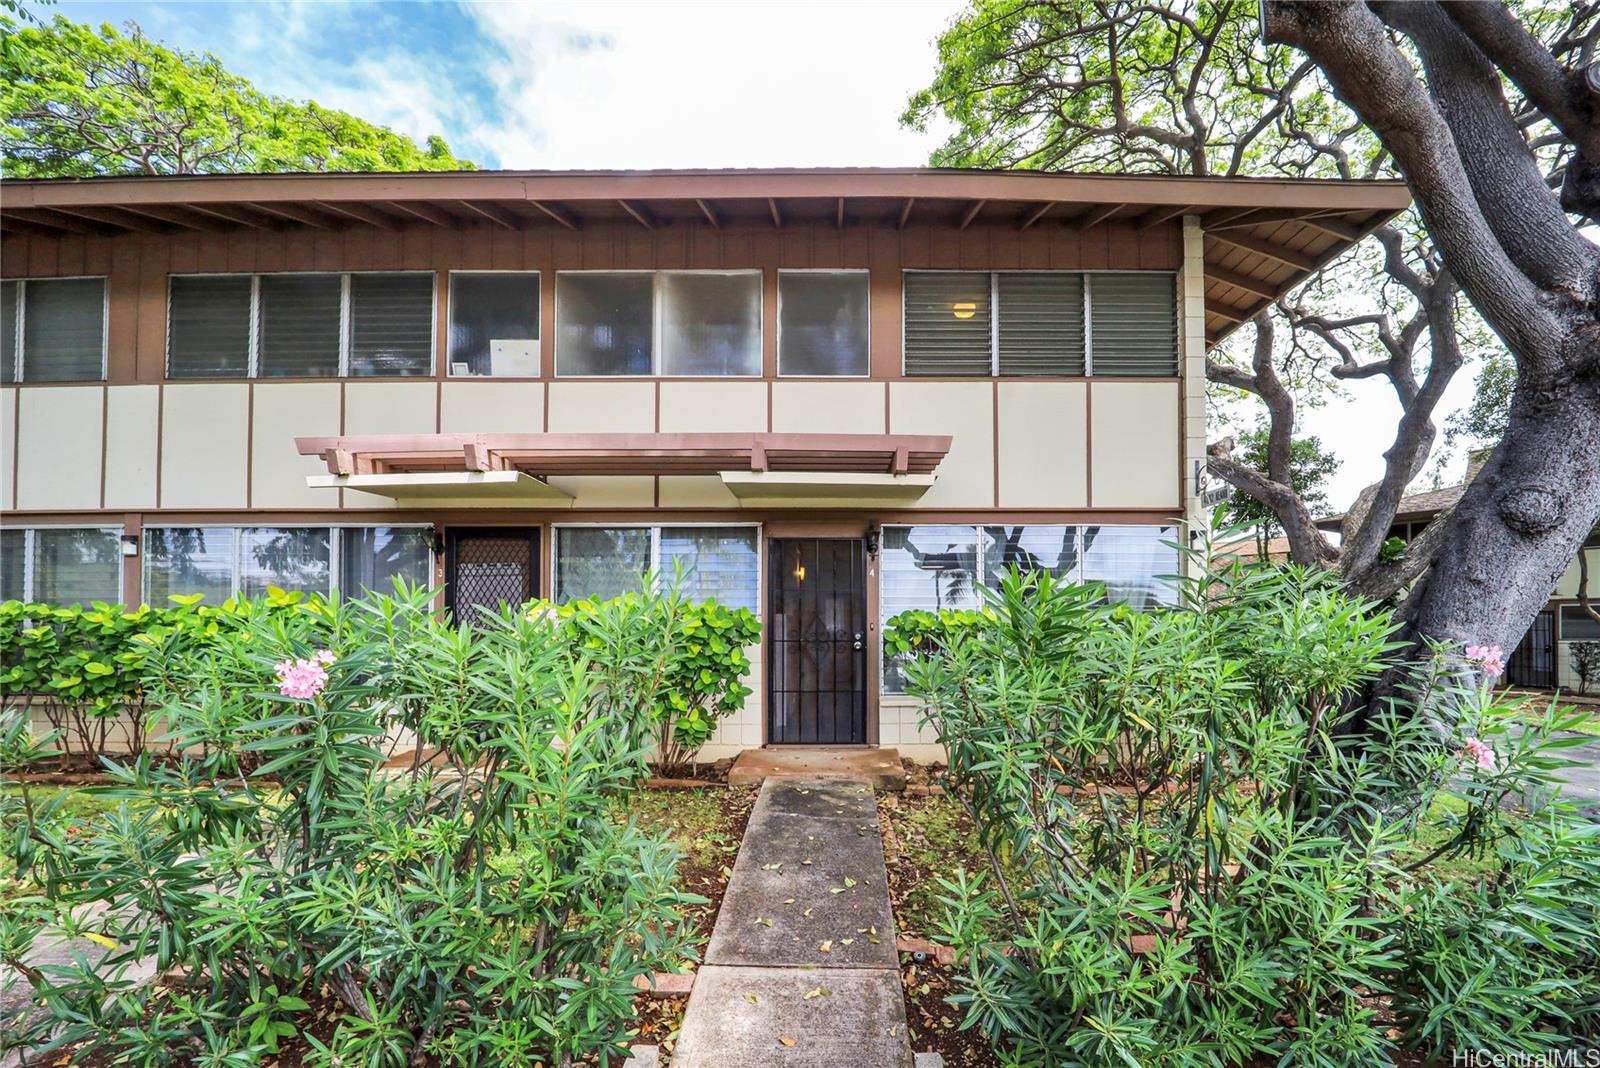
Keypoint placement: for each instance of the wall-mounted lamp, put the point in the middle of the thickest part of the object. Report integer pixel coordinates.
(872, 541)
(965, 309)
(436, 541)
(130, 545)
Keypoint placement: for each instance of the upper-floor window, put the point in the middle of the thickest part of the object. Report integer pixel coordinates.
(494, 323)
(301, 325)
(61, 565)
(1066, 323)
(690, 323)
(822, 323)
(53, 330)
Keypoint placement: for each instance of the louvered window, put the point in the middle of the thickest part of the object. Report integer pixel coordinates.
(299, 334)
(721, 563)
(1041, 323)
(947, 323)
(301, 325)
(224, 562)
(208, 326)
(55, 330)
(61, 565)
(1133, 323)
(391, 324)
(1018, 323)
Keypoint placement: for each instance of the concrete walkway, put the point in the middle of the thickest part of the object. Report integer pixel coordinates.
(802, 970)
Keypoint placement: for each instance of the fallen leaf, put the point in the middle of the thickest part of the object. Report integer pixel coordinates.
(772, 867)
(786, 1040)
(835, 889)
(763, 922)
(819, 992)
(752, 999)
(892, 1029)
(825, 946)
(846, 941)
(788, 901)
(806, 913)
(849, 881)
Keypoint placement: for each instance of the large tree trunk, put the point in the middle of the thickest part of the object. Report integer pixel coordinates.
(1520, 522)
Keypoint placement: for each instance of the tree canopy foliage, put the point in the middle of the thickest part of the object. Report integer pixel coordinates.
(77, 101)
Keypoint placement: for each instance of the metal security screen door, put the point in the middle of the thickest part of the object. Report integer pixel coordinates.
(488, 567)
(817, 620)
(1533, 661)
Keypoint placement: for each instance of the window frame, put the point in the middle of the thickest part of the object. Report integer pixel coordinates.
(29, 545)
(866, 272)
(657, 321)
(449, 318)
(19, 327)
(995, 312)
(236, 530)
(655, 549)
(346, 325)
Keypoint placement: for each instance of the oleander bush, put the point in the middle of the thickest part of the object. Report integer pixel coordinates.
(1207, 851)
(477, 904)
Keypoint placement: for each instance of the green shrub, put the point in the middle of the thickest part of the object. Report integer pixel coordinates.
(480, 904)
(1198, 858)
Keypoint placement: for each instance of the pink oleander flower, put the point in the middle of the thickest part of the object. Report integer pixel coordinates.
(1489, 657)
(1479, 753)
(304, 678)
(547, 614)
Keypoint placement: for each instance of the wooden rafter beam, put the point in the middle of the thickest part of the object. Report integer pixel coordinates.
(709, 213)
(237, 216)
(1234, 217)
(1342, 230)
(838, 217)
(1232, 314)
(1096, 216)
(1163, 215)
(91, 220)
(493, 212)
(970, 214)
(1277, 253)
(182, 217)
(905, 212)
(777, 216)
(1036, 214)
(556, 214)
(640, 216)
(359, 213)
(295, 214)
(1240, 281)
(426, 212)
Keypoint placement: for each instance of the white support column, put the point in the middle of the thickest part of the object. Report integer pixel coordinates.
(1192, 307)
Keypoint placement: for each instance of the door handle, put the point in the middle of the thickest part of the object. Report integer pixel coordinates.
(857, 643)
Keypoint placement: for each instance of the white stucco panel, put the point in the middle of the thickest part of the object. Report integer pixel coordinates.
(964, 410)
(1134, 445)
(1044, 439)
(132, 440)
(713, 407)
(204, 445)
(278, 472)
(59, 446)
(484, 406)
(828, 407)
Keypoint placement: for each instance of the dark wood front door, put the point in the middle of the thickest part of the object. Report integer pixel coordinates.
(486, 567)
(1533, 661)
(817, 641)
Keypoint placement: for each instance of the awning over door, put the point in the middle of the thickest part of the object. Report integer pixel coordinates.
(760, 470)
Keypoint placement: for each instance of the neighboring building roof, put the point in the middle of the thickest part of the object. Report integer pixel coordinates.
(1262, 235)
(1246, 549)
(1417, 507)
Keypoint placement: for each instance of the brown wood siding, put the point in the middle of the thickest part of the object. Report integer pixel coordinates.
(138, 265)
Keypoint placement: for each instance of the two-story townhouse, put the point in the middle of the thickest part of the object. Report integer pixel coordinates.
(830, 395)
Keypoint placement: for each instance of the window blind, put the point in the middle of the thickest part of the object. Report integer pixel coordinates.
(717, 562)
(63, 330)
(1134, 325)
(10, 300)
(947, 323)
(208, 327)
(299, 325)
(1133, 562)
(13, 564)
(1041, 323)
(180, 561)
(391, 324)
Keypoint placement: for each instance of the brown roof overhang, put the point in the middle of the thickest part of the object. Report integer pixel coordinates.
(1262, 235)
(544, 455)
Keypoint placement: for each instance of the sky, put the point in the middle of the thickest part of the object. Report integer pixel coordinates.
(613, 84)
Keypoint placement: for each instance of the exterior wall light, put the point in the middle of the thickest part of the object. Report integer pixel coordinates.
(966, 309)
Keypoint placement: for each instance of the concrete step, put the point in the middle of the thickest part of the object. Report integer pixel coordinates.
(880, 767)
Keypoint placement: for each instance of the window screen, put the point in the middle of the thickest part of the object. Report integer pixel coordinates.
(13, 564)
(1134, 323)
(300, 325)
(391, 324)
(208, 326)
(947, 330)
(10, 301)
(600, 562)
(290, 559)
(1041, 323)
(63, 330)
(179, 561)
(77, 566)
(822, 322)
(1577, 625)
(494, 323)
(710, 323)
(371, 558)
(1134, 563)
(717, 562)
(604, 324)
